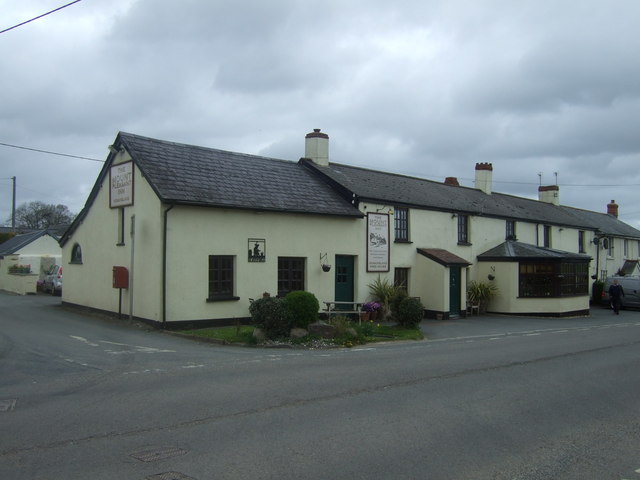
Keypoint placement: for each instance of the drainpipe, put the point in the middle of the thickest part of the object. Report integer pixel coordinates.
(164, 266)
(133, 241)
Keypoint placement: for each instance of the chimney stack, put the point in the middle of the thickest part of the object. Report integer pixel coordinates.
(451, 181)
(549, 194)
(612, 208)
(316, 147)
(484, 177)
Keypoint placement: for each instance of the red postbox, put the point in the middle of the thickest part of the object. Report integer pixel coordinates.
(120, 277)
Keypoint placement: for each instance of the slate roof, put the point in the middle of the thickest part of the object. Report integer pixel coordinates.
(13, 245)
(193, 175)
(512, 251)
(184, 174)
(401, 190)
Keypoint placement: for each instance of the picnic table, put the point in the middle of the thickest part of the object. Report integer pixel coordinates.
(343, 308)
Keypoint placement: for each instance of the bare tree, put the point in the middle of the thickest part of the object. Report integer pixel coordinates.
(39, 216)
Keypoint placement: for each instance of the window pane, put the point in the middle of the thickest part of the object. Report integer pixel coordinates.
(401, 222)
(220, 275)
(510, 233)
(290, 274)
(401, 278)
(463, 227)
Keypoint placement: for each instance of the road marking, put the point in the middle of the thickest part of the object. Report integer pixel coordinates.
(7, 405)
(532, 334)
(84, 340)
(70, 360)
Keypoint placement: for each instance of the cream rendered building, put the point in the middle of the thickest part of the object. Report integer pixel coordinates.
(179, 234)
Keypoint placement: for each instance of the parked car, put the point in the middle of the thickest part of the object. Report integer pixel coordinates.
(630, 285)
(53, 280)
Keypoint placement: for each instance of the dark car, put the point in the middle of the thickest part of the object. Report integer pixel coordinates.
(631, 287)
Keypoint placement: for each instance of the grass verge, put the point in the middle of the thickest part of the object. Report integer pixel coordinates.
(243, 335)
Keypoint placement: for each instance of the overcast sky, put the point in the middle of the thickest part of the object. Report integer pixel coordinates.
(425, 88)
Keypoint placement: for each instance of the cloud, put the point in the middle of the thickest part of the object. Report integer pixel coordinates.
(422, 88)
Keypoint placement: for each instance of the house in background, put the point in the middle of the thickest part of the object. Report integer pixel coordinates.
(25, 258)
(175, 234)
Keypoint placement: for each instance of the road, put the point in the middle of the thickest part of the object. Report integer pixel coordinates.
(83, 396)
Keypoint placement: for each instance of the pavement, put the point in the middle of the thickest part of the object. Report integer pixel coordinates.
(493, 324)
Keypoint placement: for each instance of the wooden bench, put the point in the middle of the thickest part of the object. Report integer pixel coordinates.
(343, 308)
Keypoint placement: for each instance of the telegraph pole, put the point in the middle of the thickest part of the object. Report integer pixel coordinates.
(13, 206)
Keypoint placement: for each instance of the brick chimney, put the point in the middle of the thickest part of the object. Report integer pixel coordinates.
(451, 181)
(484, 177)
(612, 208)
(549, 194)
(316, 147)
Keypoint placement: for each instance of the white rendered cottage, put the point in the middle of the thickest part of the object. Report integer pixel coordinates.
(175, 234)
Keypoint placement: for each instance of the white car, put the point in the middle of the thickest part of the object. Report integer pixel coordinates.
(53, 280)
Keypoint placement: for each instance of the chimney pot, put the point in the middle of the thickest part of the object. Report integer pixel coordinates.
(451, 181)
(484, 166)
(612, 208)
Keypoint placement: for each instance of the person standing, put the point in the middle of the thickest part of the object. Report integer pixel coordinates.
(616, 293)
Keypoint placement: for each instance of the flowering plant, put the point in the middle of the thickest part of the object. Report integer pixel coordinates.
(371, 307)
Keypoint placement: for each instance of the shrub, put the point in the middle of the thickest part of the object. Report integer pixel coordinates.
(271, 315)
(302, 307)
(396, 300)
(410, 312)
(480, 293)
(383, 291)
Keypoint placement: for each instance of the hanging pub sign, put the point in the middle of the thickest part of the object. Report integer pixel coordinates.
(257, 249)
(377, 242)
(121, 185)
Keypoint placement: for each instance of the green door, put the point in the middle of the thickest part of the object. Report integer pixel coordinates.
(344, 279)
(454, 291)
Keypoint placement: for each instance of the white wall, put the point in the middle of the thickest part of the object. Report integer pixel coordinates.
(90, 283)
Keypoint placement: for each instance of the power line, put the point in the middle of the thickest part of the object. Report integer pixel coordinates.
(39, 16)
(51, 153)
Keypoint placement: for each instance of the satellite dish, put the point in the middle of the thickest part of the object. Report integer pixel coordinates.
(605, 243)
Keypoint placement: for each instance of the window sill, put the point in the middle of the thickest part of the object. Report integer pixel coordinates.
(464, 244)
(120, 244)
(222, 299)
(403, 241)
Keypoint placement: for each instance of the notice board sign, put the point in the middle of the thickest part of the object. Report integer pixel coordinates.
(377, 242)
(121, 185)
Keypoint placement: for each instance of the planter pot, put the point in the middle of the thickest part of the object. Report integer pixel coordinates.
(365, 316)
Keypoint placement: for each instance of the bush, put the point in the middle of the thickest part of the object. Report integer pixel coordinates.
(302, 307)
(480, 293)
(271, 315)
(383, 291)
(410, 312)
(396, 300)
